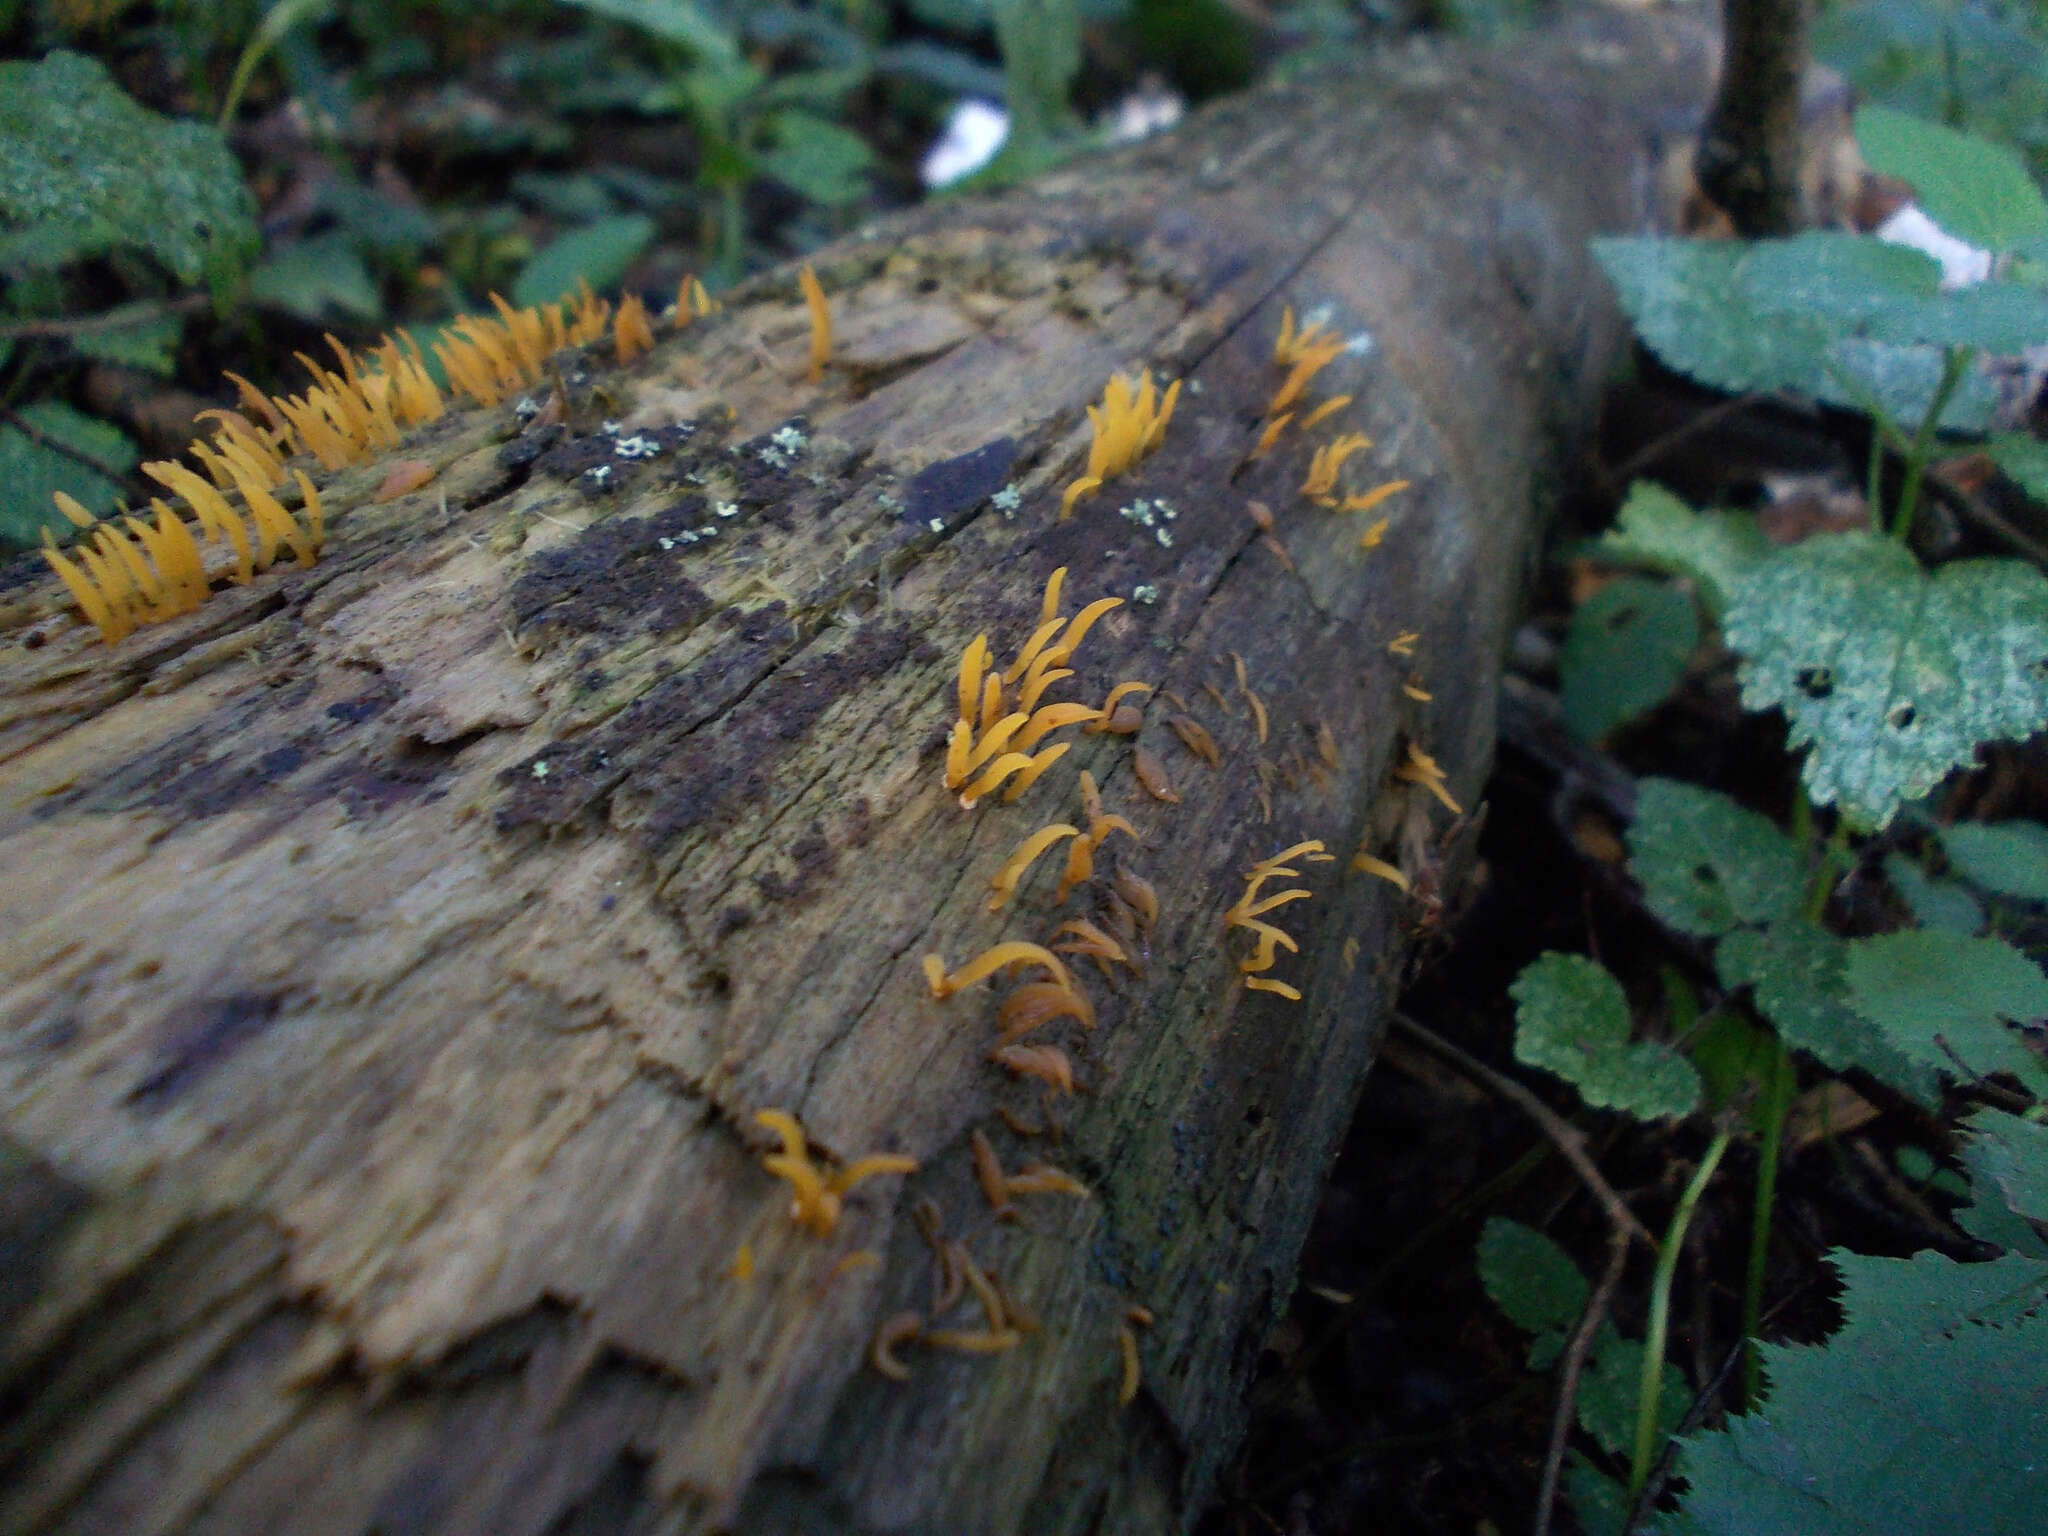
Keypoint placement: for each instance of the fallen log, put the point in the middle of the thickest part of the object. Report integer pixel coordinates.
(400, 952)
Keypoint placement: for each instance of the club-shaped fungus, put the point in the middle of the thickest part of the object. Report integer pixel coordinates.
(821, 322)
(1365, 501)
(1403, 644)
(819, 1196)
(1372, 536)
(899, 1329)
(997, 957)
(1324, 412)
(1366, 864)
(1151, 776)
(1130, 423)
(1328, 460)
(1004, 884)
(632, 332)
(1047, 1063)
(1420, 768)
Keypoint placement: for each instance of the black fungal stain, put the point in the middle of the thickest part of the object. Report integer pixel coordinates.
(616, 577)
(946, 489)
(198, 1038)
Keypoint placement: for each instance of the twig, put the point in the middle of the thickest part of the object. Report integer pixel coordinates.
(124, 317)
(1568, 1378)
(1566, 1137)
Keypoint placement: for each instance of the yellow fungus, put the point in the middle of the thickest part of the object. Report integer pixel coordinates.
(1403, 644)
(1005, 882)
(1367, 500)
(1421, 768)
(901, 1328)
(1084, 621)
(1365, 864)
(821, 322)
(1270, 435)
(1324, 412)
(1047, 1063)
(989, 1343)
(1128, 1380)
(1418, 692)
(1370, 539)
(1087, 485)
(1328, 460)
(1130, 422)
(984, 965)
(1266, 984)
(1028, 774)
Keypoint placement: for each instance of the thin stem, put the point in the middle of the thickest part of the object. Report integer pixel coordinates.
(1953, 363)
(1777, 1101)
(1649, 1394)
(1873, 485)
(1569, 1370)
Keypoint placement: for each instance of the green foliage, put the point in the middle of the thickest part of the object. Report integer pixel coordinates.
(1571, 1018)
(1843, 318)
(1530, 1278)
(1707, 864)
(1923, 1413)
(2007, 858)
(35, 464)
(1975, 64)
(673, 21)
(1943, 999)
(316, 279)
(1977, 191)
(1625, 653)
(1934, 903)
(1711, 549)
(598, 253)
(2007, 1160)
(818, 160)
(1798, 976)
(149, 344)
(1890, 677)
(85, 172)
(1609, 1386)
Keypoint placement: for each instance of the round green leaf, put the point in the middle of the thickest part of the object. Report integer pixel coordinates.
(1571, 1018)
(1530, 1278)
(1706, 863)
(1625, 653)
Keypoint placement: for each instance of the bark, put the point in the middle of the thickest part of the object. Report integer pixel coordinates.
(398, 951)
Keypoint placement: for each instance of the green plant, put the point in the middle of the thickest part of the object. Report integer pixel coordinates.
(1890, 677)
(97, 194)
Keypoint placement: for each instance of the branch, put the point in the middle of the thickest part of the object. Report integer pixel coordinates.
(1748, 160)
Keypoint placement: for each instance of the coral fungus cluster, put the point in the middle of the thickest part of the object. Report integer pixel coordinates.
(818, 1196)
(1250, 908)
(1130, 423)
(1001, 718)
(128, 572)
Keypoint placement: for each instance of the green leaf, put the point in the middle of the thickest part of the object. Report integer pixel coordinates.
(1922, 1414)
(1935, 903)
(1706, 863)
(1656, 529)
(32, 468)
(1625, 653)
(1977, 191)
(1529, 1277)
(1610, 1385)
(316, 279)
(673, 21)
(1799, 314)
(1599, 1502)
(1942, 997)
(2007, 858)
(1572, 1019)
(1734, 1059)
(598, 253)
(2007, 1160)
(1891, 677)
(150, 345)
(818, 160)
(84, 171)
(1797, 973)
(2024, 458)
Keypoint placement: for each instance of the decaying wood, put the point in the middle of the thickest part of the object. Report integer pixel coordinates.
(398, 952)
